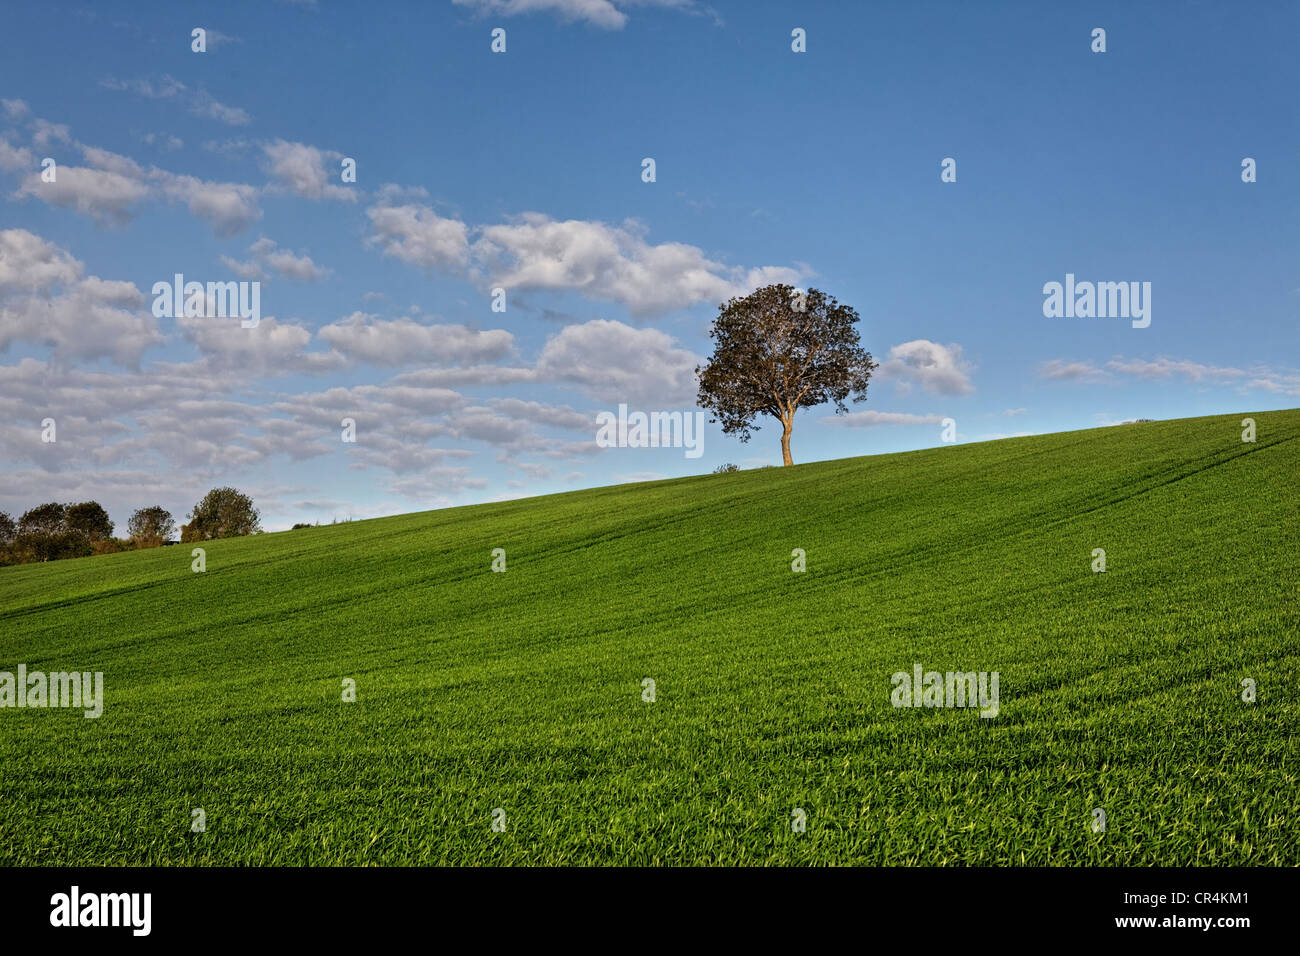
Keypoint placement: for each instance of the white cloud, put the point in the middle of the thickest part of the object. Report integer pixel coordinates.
(405, 341)
(609, 361)
(85, 318)
(498, 375)
(14, 158)
(1058, 370)
(557, 416)
(613, 362)
(30, 263)
(165, 88)
(47, 133)
(602, 262)
(612, 263)
(208, 106)
(1281, 381)
(14, 109)
(215, 39)
(419, 236)
(201, 102)
(251, 270)
(870, 419)
(1163, 368)
(606, 14)
(435, 487)
(129, 419)
(939, 369)
(164, 141)
(482, 424)
(110, 189)
(107, 197)
(112, 162)
(297, 267)
(228, 208)
(302, 170)
(268, 349)
(266, 256)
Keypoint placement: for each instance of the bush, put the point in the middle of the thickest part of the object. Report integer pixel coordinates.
(726, 469)
(43, 519)
(53, 531)
(44, 535)
(223, 513)
(8, 531)
(88, 518)
(51, 545)
(151, 527)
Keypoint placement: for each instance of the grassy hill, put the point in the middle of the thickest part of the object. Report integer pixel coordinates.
(523, 690)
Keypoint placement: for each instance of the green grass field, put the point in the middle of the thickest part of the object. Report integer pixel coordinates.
(523, 690)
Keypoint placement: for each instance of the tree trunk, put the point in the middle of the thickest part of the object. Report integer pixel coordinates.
(787, 427)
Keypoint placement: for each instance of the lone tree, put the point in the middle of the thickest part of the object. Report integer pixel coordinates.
(223, 513)
(150, 527)
(777, 350)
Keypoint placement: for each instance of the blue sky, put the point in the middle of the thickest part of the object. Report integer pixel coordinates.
(522, 170)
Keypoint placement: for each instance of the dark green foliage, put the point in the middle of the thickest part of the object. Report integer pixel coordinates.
(43, 519)
(778, 350)
(150, 527)
(8, 532)
(90, 519)
(45, 534)
(223, 513)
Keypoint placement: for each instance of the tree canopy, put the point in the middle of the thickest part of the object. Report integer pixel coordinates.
(150, 527)
(223, 513)
(777, 350)
(89, 518)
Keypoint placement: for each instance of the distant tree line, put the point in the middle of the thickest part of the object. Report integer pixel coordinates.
(53, 531)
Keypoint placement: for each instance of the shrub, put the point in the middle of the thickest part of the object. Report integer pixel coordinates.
(151, 527)
(88, 518)
(223, 513)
